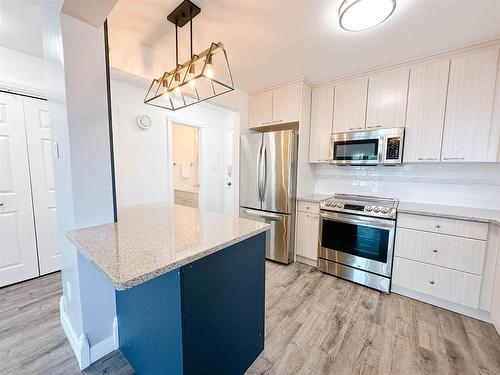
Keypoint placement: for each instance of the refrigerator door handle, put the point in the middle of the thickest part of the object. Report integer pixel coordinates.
(264, 173)
(259, 171)
(262, 214)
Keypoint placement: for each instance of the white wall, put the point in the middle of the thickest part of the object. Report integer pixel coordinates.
(142, 156)
(21, 72)
(467, 184)
(79, 125)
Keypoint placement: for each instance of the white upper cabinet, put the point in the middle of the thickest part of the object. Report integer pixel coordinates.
(349, 110)
(260, 107)
(321, 123)
(426, 110)
(274, 107)
(286, 104)
(387, 96)
(469, 109)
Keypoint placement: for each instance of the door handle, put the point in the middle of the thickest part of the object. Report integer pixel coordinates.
(228, 184)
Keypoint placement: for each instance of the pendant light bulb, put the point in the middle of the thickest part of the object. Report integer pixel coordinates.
(209, 69)
(192, 83)
(177, 91)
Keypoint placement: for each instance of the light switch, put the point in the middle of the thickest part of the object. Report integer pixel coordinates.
(55, 150)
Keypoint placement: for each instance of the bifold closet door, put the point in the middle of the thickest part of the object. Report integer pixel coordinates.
(42, 183)
(18, 255)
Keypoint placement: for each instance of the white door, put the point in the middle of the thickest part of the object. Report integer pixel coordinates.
(426, 109)
(18, 257)
(387, 95)
(228, 171)
(469, 108)
(321, 123)
(42, 183)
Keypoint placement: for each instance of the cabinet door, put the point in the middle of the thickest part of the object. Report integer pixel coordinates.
(18, 257)
(469, 107)
(349, 109)
(307, 235)
(425, 114)
(260, 109)
(387, 95)
(42, 183)
(286, 104)
(321, 123)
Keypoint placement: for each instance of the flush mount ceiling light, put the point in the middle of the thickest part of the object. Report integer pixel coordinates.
(203, 76)
(358, 15)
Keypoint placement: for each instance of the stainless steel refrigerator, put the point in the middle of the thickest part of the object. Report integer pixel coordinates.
(268, 179)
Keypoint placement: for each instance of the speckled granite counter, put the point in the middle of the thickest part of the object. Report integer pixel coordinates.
(452, 212)
(314, 198)
(150, 240)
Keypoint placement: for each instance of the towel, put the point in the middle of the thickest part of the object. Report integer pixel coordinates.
(185, 170)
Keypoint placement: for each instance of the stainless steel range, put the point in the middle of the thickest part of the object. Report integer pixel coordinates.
(356, 239)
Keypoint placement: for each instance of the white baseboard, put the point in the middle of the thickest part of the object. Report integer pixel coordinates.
(84, 353)
(485, 316)
(309, 262)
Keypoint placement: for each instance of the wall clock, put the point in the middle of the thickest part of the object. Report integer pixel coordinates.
(143, 121)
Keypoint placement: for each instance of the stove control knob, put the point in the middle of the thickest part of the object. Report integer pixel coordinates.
(340, 205)
(384, 210)
(369, 208)
(376, 209)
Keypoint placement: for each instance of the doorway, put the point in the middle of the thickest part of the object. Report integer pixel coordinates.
(185, 156)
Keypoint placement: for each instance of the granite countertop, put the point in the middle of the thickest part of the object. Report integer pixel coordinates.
(452, 212)
(314, 198)
(152, 239)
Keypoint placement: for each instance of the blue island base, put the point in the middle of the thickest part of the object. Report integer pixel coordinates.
(206, 317)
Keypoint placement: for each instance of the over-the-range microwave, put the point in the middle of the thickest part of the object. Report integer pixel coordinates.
(372, 147)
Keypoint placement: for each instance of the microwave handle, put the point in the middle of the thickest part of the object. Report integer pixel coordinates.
(374, 223)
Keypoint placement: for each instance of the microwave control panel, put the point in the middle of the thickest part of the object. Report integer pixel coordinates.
(393, 151)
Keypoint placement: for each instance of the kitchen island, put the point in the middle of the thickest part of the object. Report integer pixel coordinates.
(189, 287)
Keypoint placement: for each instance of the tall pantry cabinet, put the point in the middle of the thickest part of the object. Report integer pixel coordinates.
(28, 226)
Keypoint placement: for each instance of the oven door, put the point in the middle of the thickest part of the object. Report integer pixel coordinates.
(357, 151)
(357, 241)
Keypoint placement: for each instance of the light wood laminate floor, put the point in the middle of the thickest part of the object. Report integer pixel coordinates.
(315, 324)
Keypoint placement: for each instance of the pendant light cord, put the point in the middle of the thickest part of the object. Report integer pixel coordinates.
(191, 31)
(176, 47)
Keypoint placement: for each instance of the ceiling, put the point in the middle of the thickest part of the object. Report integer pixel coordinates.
(20, 26)
(270, 42)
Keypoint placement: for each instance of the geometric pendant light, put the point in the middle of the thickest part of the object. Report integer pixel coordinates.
(204, 76)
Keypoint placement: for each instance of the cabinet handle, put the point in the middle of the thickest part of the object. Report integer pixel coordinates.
(358, 128)
(374, 126)
(432, 282)
(322, 160)
(453, 158)
(1, 204)
(438, 226)
(277, 121)
(434, 250)
(426, 158)
(265, 123)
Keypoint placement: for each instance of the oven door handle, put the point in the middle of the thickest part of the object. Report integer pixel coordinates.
(369, 222)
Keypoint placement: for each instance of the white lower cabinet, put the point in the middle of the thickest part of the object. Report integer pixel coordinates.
(441, 258)
(307, 232)
(450, 285)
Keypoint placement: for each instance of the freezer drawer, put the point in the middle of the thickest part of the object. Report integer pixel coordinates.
(280, 238)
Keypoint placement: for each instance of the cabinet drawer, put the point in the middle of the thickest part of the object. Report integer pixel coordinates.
(308, 207)
(186, 198)
(462, 254)
(454, 227)
(454, 286)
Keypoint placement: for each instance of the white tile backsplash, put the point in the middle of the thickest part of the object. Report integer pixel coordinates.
(460, 184)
